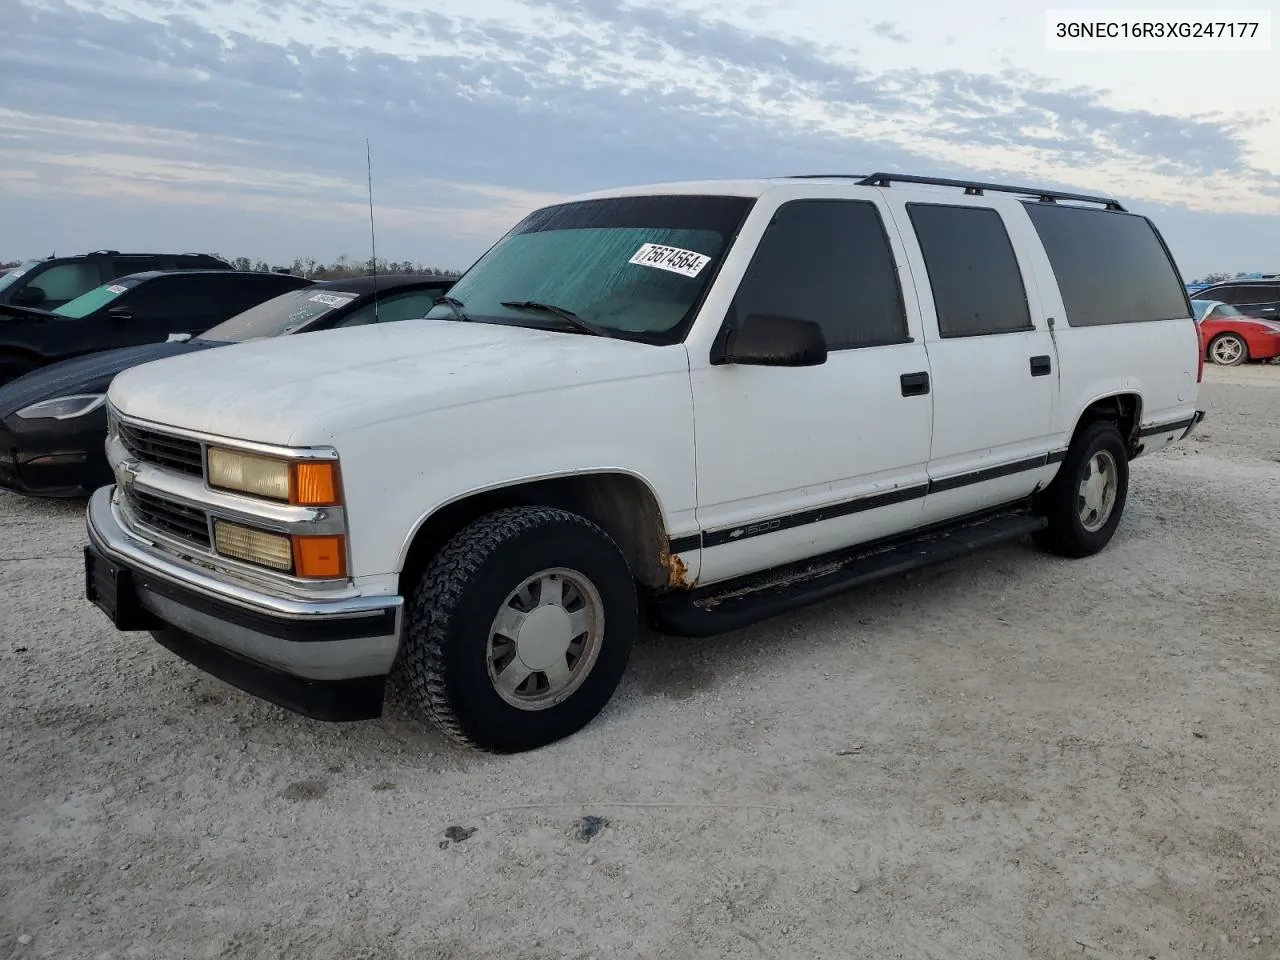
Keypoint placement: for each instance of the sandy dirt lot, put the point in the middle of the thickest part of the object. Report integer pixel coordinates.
(1013, 756)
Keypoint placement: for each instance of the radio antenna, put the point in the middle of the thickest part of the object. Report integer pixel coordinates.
(373, 237)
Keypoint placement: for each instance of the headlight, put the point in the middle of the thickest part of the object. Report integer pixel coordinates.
(312, 483)
(64, 408)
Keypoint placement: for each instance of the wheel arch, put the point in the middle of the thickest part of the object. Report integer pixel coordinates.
(1124, 407)
(623, 503)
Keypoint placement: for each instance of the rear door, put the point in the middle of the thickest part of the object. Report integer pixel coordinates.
(990, 351)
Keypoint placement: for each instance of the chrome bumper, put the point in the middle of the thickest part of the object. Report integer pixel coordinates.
(314, 639)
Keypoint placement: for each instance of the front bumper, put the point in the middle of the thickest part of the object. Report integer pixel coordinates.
(327, 659)
(54, 458)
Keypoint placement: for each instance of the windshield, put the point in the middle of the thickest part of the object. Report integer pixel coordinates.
(96, 298)
(635, 266)
(10, 278)
(279, 315)
(1204, 307)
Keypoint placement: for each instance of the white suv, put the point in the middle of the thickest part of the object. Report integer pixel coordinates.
(703, 403)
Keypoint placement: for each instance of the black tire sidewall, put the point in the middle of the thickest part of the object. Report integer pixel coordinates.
(1065, 521)
(483, 715)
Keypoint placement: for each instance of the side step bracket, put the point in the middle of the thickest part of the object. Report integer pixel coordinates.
(722, 607)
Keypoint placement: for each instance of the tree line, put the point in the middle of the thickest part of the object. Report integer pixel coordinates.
(340, 269)
(312, 269)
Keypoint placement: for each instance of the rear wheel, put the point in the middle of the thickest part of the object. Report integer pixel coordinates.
(1084, 503)
(520, 630)
(1228, 349)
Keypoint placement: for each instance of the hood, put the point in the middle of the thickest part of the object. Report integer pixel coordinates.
(308, 388)
(9, 311)
(88, 374)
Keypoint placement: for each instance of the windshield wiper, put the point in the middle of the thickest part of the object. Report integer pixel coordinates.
(568, 316)
(454, 304)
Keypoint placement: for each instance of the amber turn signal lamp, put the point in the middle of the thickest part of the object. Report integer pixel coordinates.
(315, 483)
(320, 558)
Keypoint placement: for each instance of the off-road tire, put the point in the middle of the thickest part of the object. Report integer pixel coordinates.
(445, 666)
(1066, 534)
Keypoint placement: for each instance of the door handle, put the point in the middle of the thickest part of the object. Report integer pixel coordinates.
(1041, 366)
(915, 384)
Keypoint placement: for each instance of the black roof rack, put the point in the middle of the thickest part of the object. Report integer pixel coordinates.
(971, 187)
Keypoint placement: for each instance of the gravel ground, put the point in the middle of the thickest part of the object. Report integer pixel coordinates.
(1011, 756)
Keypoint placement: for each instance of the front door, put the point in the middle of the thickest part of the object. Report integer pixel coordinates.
(795, 462)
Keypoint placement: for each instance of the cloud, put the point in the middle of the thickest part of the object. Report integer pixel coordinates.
(474, 119)
(890, 31)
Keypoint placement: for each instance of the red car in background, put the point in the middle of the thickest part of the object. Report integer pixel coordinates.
(1229, 337)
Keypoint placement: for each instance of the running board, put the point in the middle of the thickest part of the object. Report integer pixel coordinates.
(722, 607)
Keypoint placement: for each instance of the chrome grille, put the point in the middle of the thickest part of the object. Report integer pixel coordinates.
(177, 520)
(162, 449)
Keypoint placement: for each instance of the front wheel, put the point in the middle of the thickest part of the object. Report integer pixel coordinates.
(520, 630)
(1084, 503)
(1228, 350)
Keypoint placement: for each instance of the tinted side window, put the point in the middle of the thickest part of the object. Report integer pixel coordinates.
(226, 296)
(123, 266)
(1256, 294)
(169, 298)
(828, 261)
(66, 281)
(1111, 267)
(977, 286)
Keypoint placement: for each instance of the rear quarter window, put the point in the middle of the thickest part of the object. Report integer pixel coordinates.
(1111, 267)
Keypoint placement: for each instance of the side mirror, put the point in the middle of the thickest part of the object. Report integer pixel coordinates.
(766, 340)
(29, 296)
(120, 314)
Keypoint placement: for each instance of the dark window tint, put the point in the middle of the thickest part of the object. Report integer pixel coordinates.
(167, 297)
(1249, 294)
(230, 295)
(123, 266)
(977, 286)
(829, 261)
(1111, 267)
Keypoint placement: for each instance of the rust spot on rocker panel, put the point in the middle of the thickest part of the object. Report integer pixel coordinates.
(677, 569)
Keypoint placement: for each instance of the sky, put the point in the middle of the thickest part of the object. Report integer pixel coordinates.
(239, 126)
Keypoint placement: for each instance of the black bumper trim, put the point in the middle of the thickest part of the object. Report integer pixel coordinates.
(317, 630)
(338, 701)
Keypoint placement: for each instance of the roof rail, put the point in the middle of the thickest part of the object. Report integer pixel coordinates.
(827, 176)
(976, 189)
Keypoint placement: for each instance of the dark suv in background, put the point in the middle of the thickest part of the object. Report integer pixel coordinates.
(50, 283)
(1253, 298)
(141, 308)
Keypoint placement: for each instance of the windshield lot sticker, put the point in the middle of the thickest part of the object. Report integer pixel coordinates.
(117, 288)
(329, 299)
(687, 263)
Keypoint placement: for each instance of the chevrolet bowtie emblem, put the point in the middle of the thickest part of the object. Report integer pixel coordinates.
(126, 472)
